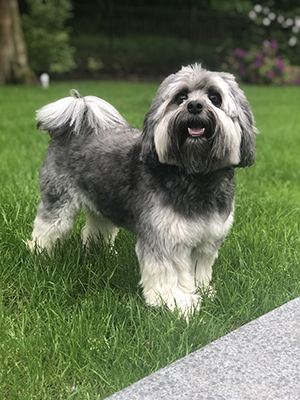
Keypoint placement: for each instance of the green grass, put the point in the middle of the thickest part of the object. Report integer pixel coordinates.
(75, 326)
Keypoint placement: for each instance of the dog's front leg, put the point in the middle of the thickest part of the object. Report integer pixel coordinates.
(203, 262)
(167, 278)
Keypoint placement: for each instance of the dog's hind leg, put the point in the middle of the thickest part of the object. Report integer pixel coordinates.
(97, 225)
(54, 221)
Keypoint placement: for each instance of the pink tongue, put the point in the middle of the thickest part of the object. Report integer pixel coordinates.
(196, 132)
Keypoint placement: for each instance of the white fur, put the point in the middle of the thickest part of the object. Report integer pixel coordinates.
(46, 232)
(97, 225)
(161, 138)
(231, 139)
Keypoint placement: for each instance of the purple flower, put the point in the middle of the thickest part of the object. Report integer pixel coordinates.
(280, 64)
(259, 56)
(258, 64)
(240, 53)
(274, 44)
(242, 70)
(270, 74)
(266, 45)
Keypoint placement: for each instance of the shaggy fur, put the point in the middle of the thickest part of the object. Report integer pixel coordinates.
(172, 184)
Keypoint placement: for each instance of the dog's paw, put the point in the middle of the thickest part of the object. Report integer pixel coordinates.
(32, 246)
(176, 300)
(186, 304)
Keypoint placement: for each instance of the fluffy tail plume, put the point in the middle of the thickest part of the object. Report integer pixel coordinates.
(75, 113)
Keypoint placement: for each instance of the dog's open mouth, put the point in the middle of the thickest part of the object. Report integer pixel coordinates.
(196, 131)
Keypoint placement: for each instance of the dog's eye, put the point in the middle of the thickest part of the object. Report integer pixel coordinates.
(181, 97)
(215, 98)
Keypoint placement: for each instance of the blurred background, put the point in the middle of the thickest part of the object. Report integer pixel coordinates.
(147, 39)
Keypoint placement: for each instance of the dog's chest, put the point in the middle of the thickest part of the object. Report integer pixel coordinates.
(195, 211)
(193, 232)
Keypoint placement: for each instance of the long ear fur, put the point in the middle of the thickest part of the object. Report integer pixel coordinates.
(148, 151)
(246, 121)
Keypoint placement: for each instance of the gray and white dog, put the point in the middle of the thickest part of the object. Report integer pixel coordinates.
(172, 184)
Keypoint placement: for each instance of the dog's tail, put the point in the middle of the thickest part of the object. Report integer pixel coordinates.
(76, 114)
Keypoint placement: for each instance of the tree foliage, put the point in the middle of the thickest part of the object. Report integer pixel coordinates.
(47, 36)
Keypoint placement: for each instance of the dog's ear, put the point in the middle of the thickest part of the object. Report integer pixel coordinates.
(148, 153)
(245, 120)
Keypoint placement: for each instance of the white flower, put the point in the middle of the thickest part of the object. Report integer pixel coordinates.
(266, 10)
(252, 15)
(292, 41)
(297, 22)
(289, 22)
(258, 8)
(280, 19)
(295, 29)
(272, 16)
(266, 21)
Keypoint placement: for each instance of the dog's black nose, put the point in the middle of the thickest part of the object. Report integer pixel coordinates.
(194, 107)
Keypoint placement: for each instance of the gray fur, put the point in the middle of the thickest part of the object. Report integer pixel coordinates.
(151, 183)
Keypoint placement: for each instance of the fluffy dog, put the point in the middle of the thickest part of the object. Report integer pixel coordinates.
(172, 184)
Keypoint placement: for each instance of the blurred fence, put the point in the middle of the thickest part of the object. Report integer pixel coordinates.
(153, 40)
(189, 23)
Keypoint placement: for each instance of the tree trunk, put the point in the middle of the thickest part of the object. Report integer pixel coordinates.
(14, 66)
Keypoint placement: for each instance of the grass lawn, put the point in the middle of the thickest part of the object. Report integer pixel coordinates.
(76, 326)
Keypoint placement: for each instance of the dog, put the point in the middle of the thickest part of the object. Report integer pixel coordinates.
(171, 184)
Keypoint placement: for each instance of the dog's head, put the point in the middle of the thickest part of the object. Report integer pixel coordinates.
(199, 121)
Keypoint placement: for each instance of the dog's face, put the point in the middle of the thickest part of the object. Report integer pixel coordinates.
(199, 121)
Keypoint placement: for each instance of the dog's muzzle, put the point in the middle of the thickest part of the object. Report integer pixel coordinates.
(196, 129)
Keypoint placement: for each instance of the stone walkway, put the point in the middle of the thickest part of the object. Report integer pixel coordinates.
(259, 361)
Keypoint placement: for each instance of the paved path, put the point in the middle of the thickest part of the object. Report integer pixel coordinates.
(259, 361)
